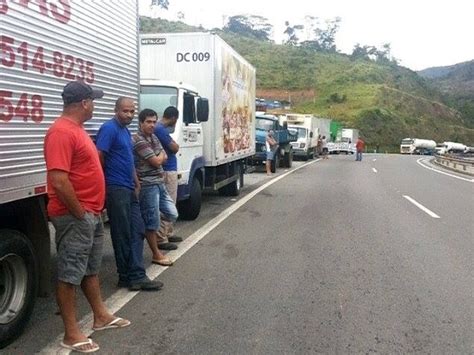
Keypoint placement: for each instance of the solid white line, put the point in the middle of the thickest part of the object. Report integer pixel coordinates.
(121, 297)
(421, 207)
(442, 172)
(374, 170)
(374, 159)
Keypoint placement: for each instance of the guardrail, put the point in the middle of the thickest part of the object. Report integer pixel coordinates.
(462, 165)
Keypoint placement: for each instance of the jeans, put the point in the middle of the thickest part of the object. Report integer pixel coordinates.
(171, 184)
(127, 231)
(358, 156)
(153, 200)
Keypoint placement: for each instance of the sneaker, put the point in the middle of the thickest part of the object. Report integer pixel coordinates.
(167, 246)
(145, 285)
(122, 284)
(175, 239)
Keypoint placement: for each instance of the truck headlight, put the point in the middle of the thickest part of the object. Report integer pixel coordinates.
(302, 145)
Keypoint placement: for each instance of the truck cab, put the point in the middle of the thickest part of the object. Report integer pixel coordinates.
(188, 133)
(283, 136)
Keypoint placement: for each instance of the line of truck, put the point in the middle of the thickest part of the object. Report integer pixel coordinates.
(429, 147)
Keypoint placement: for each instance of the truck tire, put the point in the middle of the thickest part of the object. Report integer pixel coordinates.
(288, 159)
(189, 209)
(275, 163)
(233, 189)
(18, 284)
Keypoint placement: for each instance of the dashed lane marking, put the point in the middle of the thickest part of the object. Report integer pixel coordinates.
(421, 207)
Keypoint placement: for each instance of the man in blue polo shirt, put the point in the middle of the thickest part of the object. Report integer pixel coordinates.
(114, 143)
(162, 130)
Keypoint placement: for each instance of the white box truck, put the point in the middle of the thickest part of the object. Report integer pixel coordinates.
(349, 137)
(44, 45)
(213, 88)
(307, 130)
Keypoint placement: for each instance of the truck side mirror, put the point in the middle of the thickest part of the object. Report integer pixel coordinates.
(202, 109)
(310, 134)
(285, 125)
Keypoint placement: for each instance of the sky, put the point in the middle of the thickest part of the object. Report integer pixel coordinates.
(422, 33)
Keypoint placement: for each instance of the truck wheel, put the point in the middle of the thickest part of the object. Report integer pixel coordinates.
(189, 209)
(275, 163)
(233, 189)
(18, 284)
(288, 160)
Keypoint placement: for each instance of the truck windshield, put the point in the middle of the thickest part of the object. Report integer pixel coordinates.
(262, 123)
(407, 141)
(300, 132)
(158, 98)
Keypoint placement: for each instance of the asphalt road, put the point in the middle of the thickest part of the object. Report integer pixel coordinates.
(336, 257)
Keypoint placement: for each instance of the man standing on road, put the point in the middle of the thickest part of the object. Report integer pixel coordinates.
(76, 193)
(270, 147)
(162, 130)
(114, 143)
(324, 145)
(360, 145)
(149, 158)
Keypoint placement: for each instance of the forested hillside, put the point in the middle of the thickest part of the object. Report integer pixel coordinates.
(456, 82)
(385, 101)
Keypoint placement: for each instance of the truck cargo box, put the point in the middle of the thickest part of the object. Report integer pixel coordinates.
(220, 74)
(44, 47)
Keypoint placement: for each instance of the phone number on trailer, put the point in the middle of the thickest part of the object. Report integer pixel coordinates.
(31, 58)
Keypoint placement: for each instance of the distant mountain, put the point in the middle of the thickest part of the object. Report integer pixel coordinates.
(456, 82)
(384, 101)
(461, 71)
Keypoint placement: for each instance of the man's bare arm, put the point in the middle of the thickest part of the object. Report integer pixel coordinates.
(173, 146)
(158, 160)
(66, 194)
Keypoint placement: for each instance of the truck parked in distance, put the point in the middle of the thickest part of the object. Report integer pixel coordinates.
(305, 127)
(283, 136)
(45, 45)
(213, 88)
(417, 146)
(450, 147)
(349, 137)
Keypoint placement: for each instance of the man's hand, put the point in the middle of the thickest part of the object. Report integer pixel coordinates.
(63, 188)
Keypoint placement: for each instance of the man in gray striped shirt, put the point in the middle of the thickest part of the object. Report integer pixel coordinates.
(149, 157)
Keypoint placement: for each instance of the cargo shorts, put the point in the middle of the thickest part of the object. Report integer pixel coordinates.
(79, 244)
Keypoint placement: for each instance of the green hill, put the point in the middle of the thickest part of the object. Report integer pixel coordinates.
(385, 101)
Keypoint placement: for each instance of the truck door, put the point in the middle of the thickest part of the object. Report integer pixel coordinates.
(191, 145)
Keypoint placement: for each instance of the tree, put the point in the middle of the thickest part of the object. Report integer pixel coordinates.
(249, 26)
(363, 52)
(326, 38)
(321, 39)
(292, 33)
(160, 3)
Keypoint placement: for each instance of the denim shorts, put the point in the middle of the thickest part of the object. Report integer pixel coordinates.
(79, 244)
(270, 155)
(153, 200)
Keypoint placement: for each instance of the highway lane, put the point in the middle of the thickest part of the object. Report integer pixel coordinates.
(331, 258)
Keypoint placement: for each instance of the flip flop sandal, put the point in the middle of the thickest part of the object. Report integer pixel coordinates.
(114, 324)
(77, 346)
(164, 262)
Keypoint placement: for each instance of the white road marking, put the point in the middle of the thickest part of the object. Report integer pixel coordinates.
(374, 170)
(121, 297)
(421, 207)
(442, 172)
(374, 159)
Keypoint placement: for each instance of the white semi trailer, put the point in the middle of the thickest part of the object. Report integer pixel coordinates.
(44, 45)
(451, 147)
